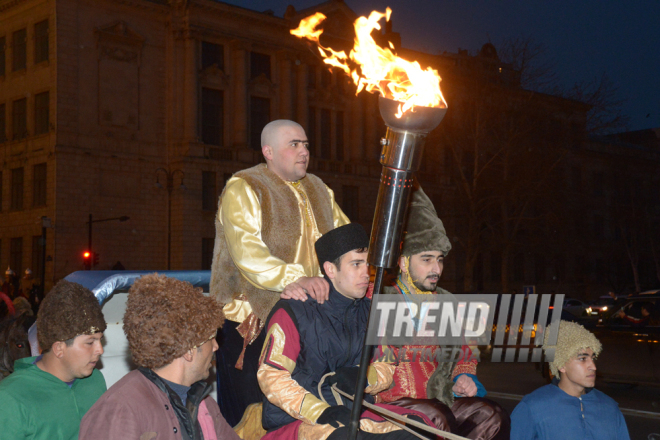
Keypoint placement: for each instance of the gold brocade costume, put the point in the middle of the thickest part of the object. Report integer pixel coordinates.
(240, 214)
(265, 234)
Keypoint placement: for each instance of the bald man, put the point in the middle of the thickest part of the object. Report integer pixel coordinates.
(269, 218)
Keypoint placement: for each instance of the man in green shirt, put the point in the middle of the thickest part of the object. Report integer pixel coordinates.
(47, 396)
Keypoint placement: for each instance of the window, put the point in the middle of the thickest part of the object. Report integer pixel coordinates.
(19, 50)
(351, 199)
(209, 191)
(339, 135)
(3, 123)
(259, 65)
(41, 109)
(41, 41)
(37, 252)
(213, 54)
(326, 133)
(16, 255)
(212, 116)
(17, 189)
(3, 42)
(19, 119)
(39, 185)
(207, 253)
(311, 129)
(259, 117)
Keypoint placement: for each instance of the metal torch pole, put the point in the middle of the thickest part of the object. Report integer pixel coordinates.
(401, 156)
(364, 365)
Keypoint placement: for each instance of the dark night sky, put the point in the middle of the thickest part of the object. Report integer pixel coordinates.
(585, 38)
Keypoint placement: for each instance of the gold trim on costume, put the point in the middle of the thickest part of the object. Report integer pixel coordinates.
(312, 408)
(277, 348)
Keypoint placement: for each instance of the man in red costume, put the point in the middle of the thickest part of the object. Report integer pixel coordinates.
(449, 393)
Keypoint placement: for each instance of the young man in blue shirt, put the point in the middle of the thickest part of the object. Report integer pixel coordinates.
(570, 407)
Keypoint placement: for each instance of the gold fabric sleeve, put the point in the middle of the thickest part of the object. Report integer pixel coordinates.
(282, 391)
(237, 310)
(240, 215)
(380, 376)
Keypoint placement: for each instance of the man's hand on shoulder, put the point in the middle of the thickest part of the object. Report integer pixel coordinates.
(465, 386)
(316, 287)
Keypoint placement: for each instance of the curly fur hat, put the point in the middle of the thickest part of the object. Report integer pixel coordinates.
(69, 310)
(166, 317)
(424, 230)
(572, 338)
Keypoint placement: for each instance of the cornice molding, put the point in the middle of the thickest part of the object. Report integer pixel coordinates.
(8, 4)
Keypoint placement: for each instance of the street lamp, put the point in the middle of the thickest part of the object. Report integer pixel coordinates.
(169, 177)
(123, 218)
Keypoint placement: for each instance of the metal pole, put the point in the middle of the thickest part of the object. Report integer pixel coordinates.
(364, 365)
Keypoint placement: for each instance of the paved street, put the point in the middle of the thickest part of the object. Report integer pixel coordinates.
(508, 382)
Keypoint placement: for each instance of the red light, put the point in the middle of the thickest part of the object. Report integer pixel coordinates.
(86, 254)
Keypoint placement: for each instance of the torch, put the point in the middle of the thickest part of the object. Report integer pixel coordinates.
(411, 105)
(403, 145)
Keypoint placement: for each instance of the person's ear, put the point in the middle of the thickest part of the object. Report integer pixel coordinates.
(330, 269)
(267, 151)
(188, 355)
(402, 264)
(58, 349)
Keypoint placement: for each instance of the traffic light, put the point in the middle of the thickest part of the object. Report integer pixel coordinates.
(95, 259)
(87, 260)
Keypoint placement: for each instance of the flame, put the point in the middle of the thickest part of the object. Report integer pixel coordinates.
(374, 68)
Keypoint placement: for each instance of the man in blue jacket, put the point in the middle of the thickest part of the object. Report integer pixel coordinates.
(570, 407)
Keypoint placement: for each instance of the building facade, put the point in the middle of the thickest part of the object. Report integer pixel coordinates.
(144, 108)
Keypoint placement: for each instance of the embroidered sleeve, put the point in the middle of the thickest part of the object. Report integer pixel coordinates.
(240, 215)
(467, 364)
(276, 364)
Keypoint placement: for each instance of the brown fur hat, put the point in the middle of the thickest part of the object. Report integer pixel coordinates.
(166, 317)
(69, 310)
(424, 230)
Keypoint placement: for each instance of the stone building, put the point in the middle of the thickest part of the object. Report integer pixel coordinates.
(144, 108)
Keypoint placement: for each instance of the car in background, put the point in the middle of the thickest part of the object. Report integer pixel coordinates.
(578, 308)
(631, 347)
(603, 305)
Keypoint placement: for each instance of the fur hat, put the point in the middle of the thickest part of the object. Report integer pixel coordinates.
(571, 339)
(166, 317)
(335, 243)
(69, 310)
(424, 230)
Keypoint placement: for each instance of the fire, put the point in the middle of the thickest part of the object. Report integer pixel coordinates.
(374, 68)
